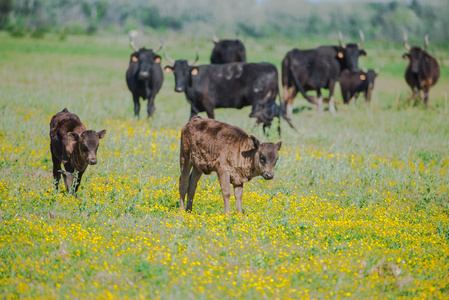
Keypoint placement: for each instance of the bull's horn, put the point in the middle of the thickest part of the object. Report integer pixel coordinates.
(132, 33)
(362, 38)
(170, 60)
(161, 44)
(426, 39)
(340, 39)
(192, 62)
(215, 38)
(406, 46)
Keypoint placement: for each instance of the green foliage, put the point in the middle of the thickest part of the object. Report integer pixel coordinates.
(268, 18)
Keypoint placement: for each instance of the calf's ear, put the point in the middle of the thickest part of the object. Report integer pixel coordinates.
(362, 52)
(254, 142)
(279, 144)
(73, 136)
(168, 69)
(101, 134)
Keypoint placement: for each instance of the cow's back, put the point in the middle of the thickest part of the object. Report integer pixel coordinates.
(60, 124)
(211, 144)
(233, 85)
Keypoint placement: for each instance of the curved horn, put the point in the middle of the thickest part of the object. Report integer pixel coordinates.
(215, 39)
(340, 39)
(192, 62)
(426, 39)
(406, 46)
(131, 42)
(362, 38)
(160, 45)
(170, 60)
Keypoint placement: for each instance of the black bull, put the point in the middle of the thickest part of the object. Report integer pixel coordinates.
(144, 76)
(423, 70)
(226, 51)
(316, 69)
(233, 85)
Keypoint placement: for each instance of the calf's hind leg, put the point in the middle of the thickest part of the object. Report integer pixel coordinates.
(184, 179)
(193, 181)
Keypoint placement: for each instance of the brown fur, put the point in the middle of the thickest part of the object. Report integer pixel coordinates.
(72, 145)
(211, 146)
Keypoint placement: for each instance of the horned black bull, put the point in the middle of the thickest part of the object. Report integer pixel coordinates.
(233, 85)
(316, 69)
(144, 76)
(423, 70)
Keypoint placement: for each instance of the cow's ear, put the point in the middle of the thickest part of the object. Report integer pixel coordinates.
(254, 142)
(340, 54)
(362, 52)
(134, 58)
(406, 56)
(101, 134)
(194, 71)
(279, 144)
(73, 136)
(168, 69)
(157, 59)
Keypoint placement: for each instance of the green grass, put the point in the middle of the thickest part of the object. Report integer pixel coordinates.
(358, 207)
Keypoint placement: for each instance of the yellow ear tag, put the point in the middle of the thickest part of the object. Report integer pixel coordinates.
(340, 55)
(168, 70)
(362, 77)
(134, 58)
(157, 60)
(194, 72)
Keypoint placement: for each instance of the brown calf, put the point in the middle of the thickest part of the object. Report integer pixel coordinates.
(353, 83)
(74, 146)
(211, 146)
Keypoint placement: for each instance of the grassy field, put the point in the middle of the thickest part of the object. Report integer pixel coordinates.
(358, 207)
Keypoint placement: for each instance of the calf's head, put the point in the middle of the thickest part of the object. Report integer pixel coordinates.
(87, 144)
(265, 157)
(265, 113)
(181, 69)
